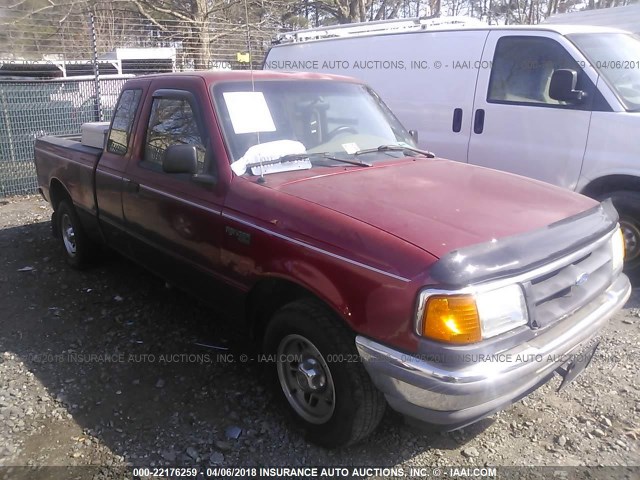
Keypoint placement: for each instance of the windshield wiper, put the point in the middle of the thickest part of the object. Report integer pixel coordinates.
(293, 157)
(395, 148)
(302, 156)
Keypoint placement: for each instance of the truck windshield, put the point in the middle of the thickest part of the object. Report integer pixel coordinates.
(281, 118)
(616, 56)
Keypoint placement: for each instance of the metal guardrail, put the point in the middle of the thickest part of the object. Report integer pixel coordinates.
(30, 109)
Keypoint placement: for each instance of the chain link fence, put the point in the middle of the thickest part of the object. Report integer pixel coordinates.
(65, 40)
(30, 109)
(50, 55)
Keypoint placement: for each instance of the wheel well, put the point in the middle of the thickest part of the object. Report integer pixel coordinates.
(610, 184)
(266, 297)
(57, 193)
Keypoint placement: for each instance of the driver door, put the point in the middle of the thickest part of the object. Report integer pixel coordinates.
(175, 222)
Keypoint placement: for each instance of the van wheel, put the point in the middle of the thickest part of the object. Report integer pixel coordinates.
(79, 250)
(315, 374)
(628, 206)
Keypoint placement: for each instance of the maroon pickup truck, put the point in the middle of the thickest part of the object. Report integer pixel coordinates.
(370, 272)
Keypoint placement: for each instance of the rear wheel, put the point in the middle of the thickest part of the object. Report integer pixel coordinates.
(78, 248)
(628, 206)
(317, 377)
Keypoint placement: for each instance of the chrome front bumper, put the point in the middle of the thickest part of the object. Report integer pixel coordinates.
(426, 391)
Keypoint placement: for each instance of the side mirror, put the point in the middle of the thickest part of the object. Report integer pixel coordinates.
(563, 86)
(414, 135)
(180, 159)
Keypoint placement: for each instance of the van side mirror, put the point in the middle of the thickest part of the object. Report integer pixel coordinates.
(563, 86)
(414, 135)
(180, 159)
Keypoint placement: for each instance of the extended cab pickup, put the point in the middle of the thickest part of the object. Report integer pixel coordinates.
(371, 273)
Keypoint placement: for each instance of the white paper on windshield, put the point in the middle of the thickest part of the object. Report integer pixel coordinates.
(350, 148)
(290, 166)
(249, 112)
(239, 167)
(265, 152)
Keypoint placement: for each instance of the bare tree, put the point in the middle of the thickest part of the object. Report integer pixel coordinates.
(196, 28)
(206, 31)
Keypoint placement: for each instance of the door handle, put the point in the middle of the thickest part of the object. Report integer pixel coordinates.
(131, 186)
(457, 120)
(478, 122)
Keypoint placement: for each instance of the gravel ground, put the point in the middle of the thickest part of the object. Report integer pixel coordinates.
(109, 367)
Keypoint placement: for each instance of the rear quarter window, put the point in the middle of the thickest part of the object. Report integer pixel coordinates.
(120, 132)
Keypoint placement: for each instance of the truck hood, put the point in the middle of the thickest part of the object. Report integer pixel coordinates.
(440, 205)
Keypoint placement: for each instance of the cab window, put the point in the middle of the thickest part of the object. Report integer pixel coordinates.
(172, 122)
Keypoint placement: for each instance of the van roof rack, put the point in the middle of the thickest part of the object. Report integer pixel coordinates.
(379, 26)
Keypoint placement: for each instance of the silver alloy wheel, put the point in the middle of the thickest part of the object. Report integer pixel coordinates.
(305, 379)
(631, 235)
(68, 235)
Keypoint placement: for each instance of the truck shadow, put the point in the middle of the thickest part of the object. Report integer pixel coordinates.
(155, 376)
(634, 299)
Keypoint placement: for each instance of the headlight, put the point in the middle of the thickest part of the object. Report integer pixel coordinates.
(501, 310)
(617, 250)
(463, 318)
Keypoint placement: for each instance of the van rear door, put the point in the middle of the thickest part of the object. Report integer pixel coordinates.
(517, 126)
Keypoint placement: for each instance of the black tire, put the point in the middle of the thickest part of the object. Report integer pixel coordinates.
(357, 407)
(78, 249)
(628, 206)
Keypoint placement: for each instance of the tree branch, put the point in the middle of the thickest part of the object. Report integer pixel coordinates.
(166, 11)
(146, 15)
(38, 10)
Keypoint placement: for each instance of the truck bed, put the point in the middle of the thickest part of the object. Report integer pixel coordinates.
(65, 159)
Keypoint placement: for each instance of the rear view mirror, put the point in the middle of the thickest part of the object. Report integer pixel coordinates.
(180, 159)
(563, 86)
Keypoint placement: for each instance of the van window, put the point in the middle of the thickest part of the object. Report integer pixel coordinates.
(172, 122)
(120, 132)
(522, 69)
(616, 56)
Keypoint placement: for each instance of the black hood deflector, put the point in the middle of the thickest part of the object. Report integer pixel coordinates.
(511, 256)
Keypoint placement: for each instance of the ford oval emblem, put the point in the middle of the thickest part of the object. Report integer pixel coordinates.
(582, 279)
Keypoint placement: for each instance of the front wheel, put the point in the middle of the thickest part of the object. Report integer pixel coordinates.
(628, 206)
(317, 376)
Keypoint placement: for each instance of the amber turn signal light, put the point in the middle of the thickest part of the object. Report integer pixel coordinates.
(452, 319)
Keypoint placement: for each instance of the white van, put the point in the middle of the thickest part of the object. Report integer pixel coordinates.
(556, 103)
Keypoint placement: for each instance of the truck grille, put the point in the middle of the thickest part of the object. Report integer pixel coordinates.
(557, 294)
